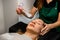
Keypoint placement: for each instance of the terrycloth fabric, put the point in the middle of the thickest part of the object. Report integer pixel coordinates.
(14, 36)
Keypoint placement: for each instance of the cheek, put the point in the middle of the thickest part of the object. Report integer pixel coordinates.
(38, 28)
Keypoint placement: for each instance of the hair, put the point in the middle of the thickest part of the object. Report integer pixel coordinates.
(18, 26)
(58, 0)
(40, 4)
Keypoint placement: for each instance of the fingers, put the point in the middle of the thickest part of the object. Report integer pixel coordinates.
(44, 29)
(44, 32)
(19, 10)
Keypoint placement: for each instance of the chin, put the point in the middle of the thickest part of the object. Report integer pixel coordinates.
(37, 31)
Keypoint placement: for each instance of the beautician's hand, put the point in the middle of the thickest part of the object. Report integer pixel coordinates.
(46, 29)
(19, 10)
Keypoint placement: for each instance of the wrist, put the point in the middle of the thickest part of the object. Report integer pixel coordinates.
(54, 25)
(27, 14)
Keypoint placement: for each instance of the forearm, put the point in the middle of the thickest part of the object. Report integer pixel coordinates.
(57, 23)
(26, 14)
(31, 13)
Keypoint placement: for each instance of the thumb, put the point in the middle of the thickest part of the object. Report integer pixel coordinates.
(20, 8)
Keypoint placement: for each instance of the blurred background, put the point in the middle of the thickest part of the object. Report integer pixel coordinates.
(8, 15)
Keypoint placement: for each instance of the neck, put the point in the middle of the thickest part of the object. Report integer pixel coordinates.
(48, 1)
(31, 35)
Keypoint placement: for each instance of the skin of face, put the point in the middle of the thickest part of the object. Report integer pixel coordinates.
(35, 25)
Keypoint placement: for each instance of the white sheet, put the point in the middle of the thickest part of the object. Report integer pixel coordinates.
(14, 36)
(6, 36)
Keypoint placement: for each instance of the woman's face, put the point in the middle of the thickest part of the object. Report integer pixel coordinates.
(35, 26)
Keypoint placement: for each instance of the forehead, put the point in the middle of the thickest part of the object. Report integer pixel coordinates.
(38, 20)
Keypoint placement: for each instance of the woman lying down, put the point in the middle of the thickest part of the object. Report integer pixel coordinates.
(26, 32)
